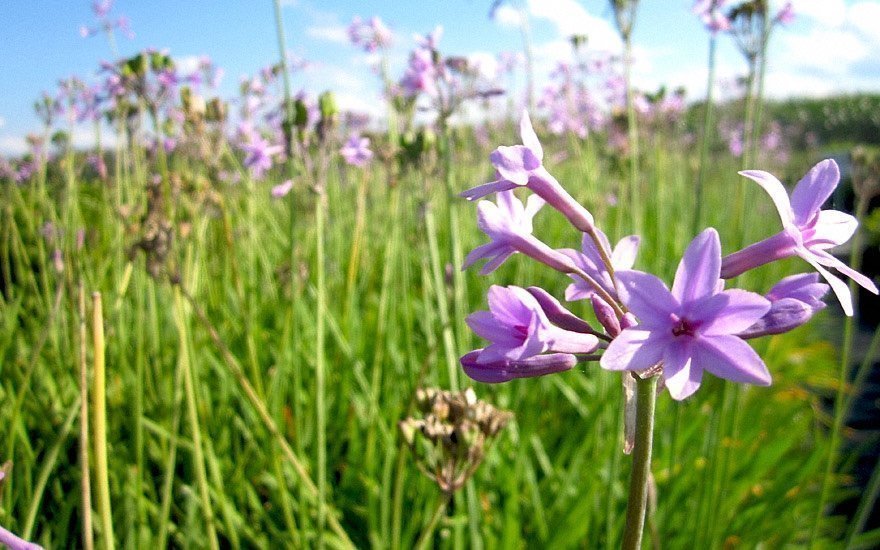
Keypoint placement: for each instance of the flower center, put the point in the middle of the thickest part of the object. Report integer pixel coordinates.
(682, 326)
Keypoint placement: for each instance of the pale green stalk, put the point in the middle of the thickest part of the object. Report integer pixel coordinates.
(184, 364)
(637, 503)
(840, 401)
(320, 384)
(706, 137)
(428, 532)
(99, 408)
(88, 535)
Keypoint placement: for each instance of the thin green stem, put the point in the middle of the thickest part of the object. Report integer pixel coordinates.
(185, 365)
(320, 384)
(646, 402)
(428, 532)
(840, 401)
(99, 407)
(706, 137)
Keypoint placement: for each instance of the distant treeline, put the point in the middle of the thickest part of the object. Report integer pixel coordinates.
(851, 118)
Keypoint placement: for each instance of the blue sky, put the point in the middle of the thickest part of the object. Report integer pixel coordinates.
(833, 46)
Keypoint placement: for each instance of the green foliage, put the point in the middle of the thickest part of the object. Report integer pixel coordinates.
(734, 467)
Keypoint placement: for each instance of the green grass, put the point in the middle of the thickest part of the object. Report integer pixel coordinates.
(192, 460)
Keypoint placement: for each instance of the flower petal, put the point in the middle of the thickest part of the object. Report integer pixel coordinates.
(700, 268)
(624, 255)
(828, 260)
(486, 326)
(506, 370)
(634, 349)
(481, 191)
(730, 358)
(514, 163)
(529, 138)
(832, 228)
(681, 376)
(841, 290)
(647, 297)
(776, 191)
(813, 190)
(729, 312)
(496, 262)
(557, 313)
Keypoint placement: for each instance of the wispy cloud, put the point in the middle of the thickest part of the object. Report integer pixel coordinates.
(337, 34)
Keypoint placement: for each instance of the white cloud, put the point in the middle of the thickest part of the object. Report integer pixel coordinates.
(2, 122)
(571, 18)
(838, 51)
(507, 16)
(826, 12)
(485, 63)
(12, 145)
(83, 139)
(337, 34)
(187, 64)
(865, 18)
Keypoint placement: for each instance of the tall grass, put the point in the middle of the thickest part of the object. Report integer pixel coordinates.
(216, 433)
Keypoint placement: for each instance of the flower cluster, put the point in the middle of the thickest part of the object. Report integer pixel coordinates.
(695, 326)
(101, 9)
(369, 36)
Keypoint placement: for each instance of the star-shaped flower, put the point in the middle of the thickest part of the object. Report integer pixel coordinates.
(518, 328)
(807, 231)
(521, 166)
(691, 328)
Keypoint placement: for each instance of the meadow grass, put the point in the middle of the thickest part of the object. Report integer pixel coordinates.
(218, 433)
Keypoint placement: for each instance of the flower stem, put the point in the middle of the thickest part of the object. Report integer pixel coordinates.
(646, 401)
(840, 399)
(99, 409)
(707, 139)
(425, 538)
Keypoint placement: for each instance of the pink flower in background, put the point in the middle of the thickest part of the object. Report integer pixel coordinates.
(369, 36)
(282, 189)
(786, 15)
(711, 13)
(258, 156)
(356, 151)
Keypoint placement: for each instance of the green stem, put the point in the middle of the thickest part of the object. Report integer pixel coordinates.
(425, 538)
(185, 365)
(707, 138)
(88, 535)
(319, 369)
(100, 424)
(646, 401)
(840, 401)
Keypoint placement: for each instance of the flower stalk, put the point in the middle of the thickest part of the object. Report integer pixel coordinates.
(637, 503)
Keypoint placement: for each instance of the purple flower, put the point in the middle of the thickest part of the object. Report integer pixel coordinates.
(590, 261)
(282, 189)
(793, 301)
(520, 165)
(258, 156)
(356, 151)
(509, 226)
(711, 14)
(786, 14)
(505, 370)
(692, 328)
(807, 231)
(14, 542)
(518, 329)
(369, 36)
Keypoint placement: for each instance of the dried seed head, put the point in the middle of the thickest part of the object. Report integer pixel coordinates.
(449, 443)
